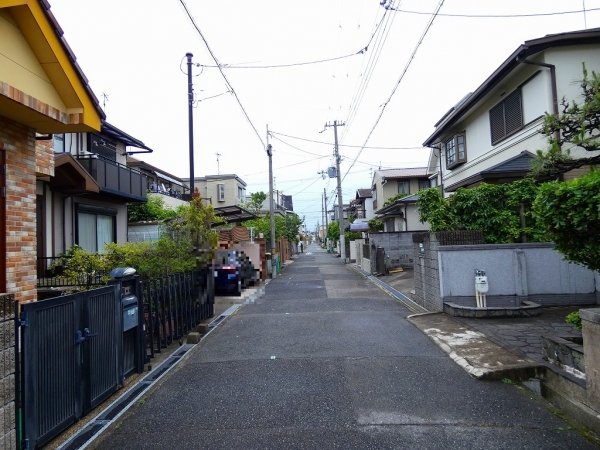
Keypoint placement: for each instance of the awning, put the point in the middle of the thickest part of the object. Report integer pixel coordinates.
(70, 177)
(233, 214)
(360, 226)
(162, 176)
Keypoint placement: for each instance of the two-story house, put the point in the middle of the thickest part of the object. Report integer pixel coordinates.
(220, 190)
(361, 207)
(386, 185)
(42, 92)
(85, 202)
(492, 134)
(172, 189)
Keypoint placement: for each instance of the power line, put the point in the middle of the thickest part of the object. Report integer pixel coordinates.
(410, 59)
(221, 70)
(345, 145)
(391, 8)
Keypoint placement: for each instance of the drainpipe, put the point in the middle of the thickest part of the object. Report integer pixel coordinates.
(552, 68)
(405, 219)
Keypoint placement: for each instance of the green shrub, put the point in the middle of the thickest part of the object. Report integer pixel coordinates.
(574, 319)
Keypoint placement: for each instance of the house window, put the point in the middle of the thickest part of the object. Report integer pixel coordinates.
(221, 192)
(58, 142)
(506, 117)
(456, 150)
(423, 184)
(403, 187)
(95, 227)
(241, 193)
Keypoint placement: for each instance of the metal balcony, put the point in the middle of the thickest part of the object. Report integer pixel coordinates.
(114, 178)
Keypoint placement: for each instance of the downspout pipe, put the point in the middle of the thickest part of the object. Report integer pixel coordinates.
(552, 68)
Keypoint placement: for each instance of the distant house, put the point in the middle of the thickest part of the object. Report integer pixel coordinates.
(42, 92)
(361, 207)
(492, 134)
(220, 190)
(172, 189)
(386, 185)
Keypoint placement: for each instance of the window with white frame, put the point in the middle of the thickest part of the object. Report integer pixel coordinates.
(58, 143)
(456, 150)
(221, 192)
(506, 117)
(403, 187)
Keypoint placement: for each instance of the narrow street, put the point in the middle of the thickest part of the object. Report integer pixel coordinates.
(325, 360)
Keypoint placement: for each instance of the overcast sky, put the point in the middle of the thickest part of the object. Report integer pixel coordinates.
(134, 52)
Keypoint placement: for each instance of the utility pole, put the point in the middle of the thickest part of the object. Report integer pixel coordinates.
(273, 244)
(339, 188)
(190, 120)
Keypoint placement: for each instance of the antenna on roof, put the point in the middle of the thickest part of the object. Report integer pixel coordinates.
(218, 167)
(104, 98)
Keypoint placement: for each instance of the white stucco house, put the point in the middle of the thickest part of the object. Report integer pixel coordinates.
(492, 134)
(402, 214)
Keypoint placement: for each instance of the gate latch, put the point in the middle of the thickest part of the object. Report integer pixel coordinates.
(87, 334)
(79, 339)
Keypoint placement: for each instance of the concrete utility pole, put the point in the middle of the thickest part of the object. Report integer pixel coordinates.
(273, 244)
(339, 188)
(191, 120)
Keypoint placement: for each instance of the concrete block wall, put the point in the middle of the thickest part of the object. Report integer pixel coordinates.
(427, 273)
(8, 437)
(398, 247)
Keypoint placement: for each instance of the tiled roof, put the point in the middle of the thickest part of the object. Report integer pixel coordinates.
(363, 193)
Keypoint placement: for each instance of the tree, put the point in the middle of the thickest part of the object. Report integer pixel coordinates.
(571, 213)
(503, 212)
(254, 205)
(578, 125)
(153, 209)
(333, 232)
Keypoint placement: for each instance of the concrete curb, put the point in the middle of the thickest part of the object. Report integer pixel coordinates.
(473, 351)
(407, 302)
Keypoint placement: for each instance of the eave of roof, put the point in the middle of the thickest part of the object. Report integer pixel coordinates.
(516, 167)
(528, 48)
(127, 139)
(45, 37)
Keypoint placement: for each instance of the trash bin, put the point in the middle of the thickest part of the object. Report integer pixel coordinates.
(132, 320)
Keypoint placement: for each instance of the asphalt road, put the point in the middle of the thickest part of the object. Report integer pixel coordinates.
(326, 360)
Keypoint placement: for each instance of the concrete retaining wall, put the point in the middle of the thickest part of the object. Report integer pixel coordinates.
(516, 272)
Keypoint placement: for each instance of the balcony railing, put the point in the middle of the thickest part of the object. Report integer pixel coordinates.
(114, 178)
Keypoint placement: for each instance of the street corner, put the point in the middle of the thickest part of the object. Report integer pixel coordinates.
(472, 350)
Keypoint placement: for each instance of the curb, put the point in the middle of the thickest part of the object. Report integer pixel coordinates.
(407, 302)
(473, 351)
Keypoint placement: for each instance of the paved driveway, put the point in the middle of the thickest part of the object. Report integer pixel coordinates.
(326, 360)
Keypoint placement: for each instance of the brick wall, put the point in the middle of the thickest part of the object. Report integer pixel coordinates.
(44, 157)
(18, 143)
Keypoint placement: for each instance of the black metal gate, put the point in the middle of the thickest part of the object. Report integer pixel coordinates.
(71, 353)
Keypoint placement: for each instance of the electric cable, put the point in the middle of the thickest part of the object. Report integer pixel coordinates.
(187, 11)
(490, 16)
(410, 59)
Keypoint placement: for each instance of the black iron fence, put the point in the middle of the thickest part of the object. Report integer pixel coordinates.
(76, 349)
(51, 273)
(174, 305)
